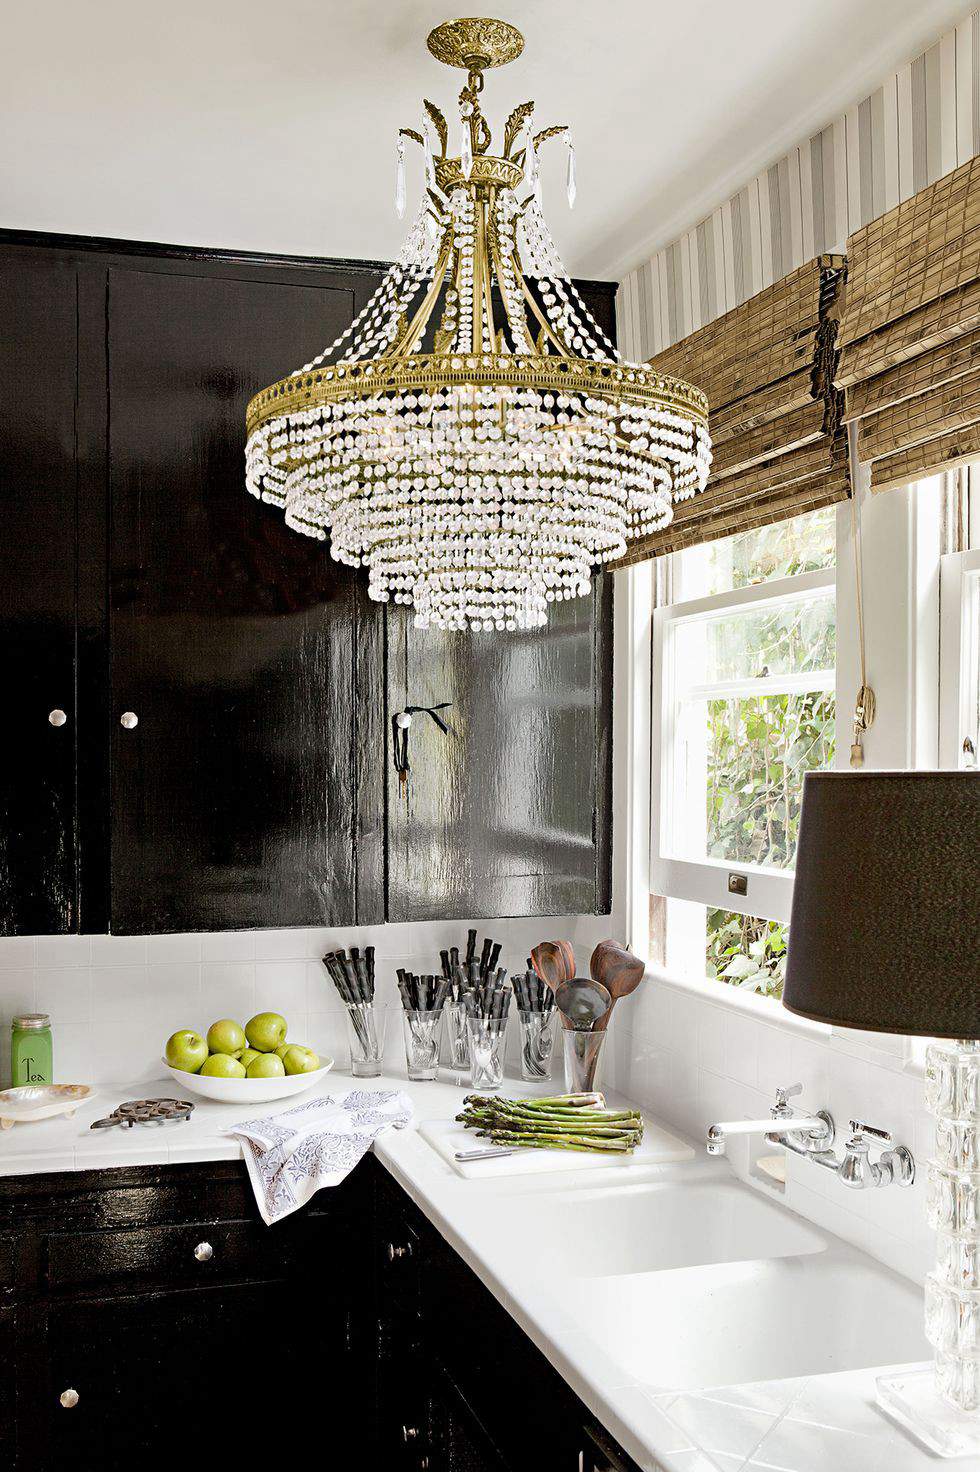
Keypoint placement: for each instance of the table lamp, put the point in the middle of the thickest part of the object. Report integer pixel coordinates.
(885, 936)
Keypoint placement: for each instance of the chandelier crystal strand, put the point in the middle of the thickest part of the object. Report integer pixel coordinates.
(570, 186)
(400, 179)
(473, 438)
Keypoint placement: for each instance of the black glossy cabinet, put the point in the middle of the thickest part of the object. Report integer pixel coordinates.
(232, 639)
(157, 1318)
(38, 564)
(225, 760)
(148, 1317)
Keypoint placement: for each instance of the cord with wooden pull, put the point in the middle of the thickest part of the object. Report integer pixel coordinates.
(865, 705)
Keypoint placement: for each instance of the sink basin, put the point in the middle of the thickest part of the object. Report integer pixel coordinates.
(642, 1227)
(729, 1323)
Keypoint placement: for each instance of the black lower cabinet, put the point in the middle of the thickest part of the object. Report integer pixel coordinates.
(147, 1316)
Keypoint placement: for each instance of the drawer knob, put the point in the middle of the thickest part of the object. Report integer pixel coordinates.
(204, 1252)
(57, 717)
(129, 719)
(69, 1399)
(394, 1253)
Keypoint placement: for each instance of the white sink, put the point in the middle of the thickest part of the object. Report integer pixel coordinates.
(729, 1323)
(595, 1232)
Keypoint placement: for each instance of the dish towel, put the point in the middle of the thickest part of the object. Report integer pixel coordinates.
(291, 1156)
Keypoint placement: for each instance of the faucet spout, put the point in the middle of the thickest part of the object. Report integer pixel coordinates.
(805, 1134)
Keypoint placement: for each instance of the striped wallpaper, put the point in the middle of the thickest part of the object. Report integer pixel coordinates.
(922, 123)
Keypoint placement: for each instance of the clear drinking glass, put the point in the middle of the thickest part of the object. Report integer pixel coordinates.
(423, 1031)
(457, 1036)
(583, 1053)
(486, 1040)
(537, 1045)
(366, 1026)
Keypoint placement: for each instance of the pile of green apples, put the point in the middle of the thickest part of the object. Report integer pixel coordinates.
(257, 1050)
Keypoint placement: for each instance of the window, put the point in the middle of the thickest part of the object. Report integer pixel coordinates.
(959, 645)
(744, 704)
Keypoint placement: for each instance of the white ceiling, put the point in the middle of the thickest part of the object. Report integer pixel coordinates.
(267, 127)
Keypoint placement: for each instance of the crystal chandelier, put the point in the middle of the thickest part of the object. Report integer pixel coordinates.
(473, 438)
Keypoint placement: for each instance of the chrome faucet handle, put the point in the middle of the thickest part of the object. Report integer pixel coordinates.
(784, 1095)
(869, 1134)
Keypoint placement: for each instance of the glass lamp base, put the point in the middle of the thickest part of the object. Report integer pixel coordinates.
(914, 1401)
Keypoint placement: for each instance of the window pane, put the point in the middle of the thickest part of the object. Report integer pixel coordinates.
(741, 762)
(746, 951)
(784, 638)
(801, 544)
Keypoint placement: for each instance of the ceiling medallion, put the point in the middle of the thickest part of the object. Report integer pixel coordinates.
(473, 438)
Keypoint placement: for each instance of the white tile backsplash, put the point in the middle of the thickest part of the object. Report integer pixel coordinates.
(114, 1000)
(697, 1053)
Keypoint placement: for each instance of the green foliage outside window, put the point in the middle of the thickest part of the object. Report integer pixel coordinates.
(745, 951)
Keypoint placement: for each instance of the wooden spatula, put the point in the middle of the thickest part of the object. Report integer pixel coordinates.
(617, 969)
(554, 963)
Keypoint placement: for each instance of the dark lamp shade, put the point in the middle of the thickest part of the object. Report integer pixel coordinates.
(885, 927)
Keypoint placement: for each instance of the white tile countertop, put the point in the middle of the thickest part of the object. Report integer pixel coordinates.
(803, 1424)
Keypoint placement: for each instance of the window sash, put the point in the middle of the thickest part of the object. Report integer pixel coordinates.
(769, 891)
(959, 671)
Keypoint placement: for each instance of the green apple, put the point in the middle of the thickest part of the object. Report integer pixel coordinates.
(265, 1065)
(248, 1055)
(226, 1036)
(222, 1065)
(300, 1060)
(186, 1050)
(281, 1050)
(265, 1031)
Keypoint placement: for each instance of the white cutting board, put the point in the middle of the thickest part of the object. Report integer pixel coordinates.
(446, 1136)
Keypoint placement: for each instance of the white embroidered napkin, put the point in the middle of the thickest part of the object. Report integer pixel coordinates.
(290, 1156)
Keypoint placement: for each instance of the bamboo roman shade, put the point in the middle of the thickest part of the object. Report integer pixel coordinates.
(767, 368)
(910, 332)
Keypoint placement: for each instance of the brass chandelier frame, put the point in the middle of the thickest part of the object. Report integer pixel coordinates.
(544, 359)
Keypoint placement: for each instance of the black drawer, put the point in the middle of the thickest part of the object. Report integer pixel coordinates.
(184, 1256)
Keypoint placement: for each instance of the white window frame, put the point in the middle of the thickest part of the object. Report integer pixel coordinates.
(959, 658)
(769, 891)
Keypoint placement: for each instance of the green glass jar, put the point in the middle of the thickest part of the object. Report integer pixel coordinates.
(30, 1049)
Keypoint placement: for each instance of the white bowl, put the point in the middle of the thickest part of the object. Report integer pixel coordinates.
(248, 1090)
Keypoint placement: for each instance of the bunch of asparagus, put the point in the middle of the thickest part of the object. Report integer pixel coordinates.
(533, 994)
(561, 1122)
(421, 993)
(352, 975)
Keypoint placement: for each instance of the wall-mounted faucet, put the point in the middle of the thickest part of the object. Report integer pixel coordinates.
(813, 1136)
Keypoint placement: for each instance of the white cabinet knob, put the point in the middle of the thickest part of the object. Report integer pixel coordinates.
(69, 1399)
(204, 1252)
(129, 719)
(57, 717)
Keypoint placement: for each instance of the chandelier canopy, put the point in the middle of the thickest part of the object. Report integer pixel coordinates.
(473, 438)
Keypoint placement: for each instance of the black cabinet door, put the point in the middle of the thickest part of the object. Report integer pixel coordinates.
(8, 1388)
(38, 341)
(234, 639)
(255, 1373)
(509, 813)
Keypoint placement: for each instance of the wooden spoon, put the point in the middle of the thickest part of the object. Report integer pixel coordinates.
(550, 960)
(617, 969)
(582, 1004)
